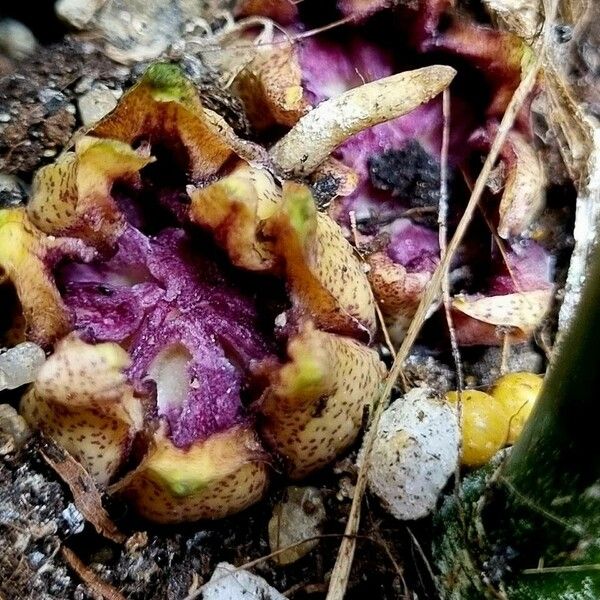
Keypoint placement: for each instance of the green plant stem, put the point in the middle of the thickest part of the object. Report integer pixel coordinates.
(554, 469)
(529, 528)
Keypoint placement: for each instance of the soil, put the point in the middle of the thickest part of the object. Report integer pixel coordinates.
(38, 518)
(37, 102)
(38, 117)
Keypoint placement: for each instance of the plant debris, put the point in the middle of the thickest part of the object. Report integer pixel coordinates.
(85, 494)
(99, 589)
(299, 516)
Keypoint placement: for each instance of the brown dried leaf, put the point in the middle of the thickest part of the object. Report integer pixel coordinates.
(282, 11)
(571, 90)
(524, 195)
(397, 292)
(270, 87)
(85, 494)
(523, 17)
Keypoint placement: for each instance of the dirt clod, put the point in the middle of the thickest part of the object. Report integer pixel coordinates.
(38, 99)
(410, 173)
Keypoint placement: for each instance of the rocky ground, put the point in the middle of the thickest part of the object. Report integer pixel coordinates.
(39, 521)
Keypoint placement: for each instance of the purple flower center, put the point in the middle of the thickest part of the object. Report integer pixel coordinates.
(189, 322)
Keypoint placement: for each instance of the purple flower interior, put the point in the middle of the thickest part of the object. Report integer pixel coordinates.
(398, 167)
(330, 67)
(526, 266)
(190, 322)
(414, 247)
(410, 144)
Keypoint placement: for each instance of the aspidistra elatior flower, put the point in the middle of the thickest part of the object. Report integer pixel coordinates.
(204, 291)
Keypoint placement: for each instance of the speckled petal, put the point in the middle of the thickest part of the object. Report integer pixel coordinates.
(313, 409)
(164, 108)
(327, 281)
(270, 87)
(263, 226)
(73, 195)
(486, 320)
(210, 480)
(521, 179)
(234, 208)
(26, 258)
(397, 291)
(82, 400)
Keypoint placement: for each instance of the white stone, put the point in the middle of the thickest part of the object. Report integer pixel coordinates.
(16, 40)
(133, 30)
(227, 583)
(95, 104)
(77, 13)
(20, 365)
(13, 191)
(415, 452)
(14, 431)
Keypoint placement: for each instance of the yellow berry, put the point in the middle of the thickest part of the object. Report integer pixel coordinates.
(484, 426)
(517, 392)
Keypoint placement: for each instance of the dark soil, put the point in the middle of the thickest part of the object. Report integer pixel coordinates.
(38, 100)
(37, 103)
(38, 517)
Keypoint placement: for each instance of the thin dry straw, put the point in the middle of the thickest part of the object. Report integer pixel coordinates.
(343, 564)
